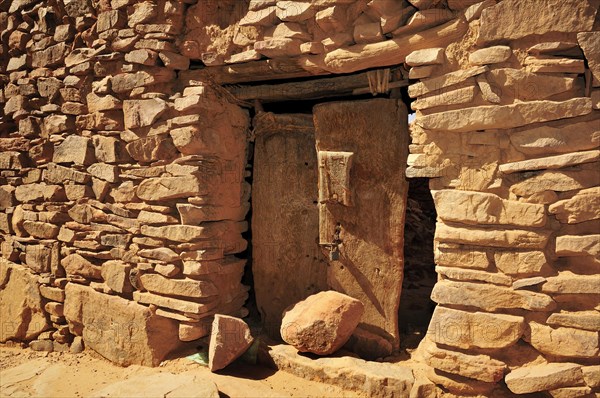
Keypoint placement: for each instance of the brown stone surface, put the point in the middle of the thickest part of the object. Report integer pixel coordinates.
(322, 323)
(118, 329)
(515, 19)
(483, 208)
(489, 297)
(543, 377)
(230, 338)
(467, 330)
(507, 116)
(479, 367)
(564, 342)
(21, 305)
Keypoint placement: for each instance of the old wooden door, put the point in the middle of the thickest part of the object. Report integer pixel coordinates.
(362, 147)
(287, 263)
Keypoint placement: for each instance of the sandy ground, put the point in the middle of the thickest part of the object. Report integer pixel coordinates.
(27, 373)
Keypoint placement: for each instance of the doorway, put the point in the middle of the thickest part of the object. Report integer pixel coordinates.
(329, 199)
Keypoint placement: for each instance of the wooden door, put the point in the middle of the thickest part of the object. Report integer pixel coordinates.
(287, 263)
(362, 149)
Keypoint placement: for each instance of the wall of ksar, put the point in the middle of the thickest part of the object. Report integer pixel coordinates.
(122, 175)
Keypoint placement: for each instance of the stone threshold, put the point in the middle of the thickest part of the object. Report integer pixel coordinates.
(374, 379)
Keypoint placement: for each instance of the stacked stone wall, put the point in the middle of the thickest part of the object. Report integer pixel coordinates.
(117, 178)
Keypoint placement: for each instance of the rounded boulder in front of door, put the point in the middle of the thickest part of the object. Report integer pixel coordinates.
(322, 323)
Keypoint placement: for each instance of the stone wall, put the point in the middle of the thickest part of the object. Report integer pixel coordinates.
(507, 132)
(116, 177)
(122, 178)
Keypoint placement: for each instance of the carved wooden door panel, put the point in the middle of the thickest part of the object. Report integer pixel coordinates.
(287, 263)
(362, 147)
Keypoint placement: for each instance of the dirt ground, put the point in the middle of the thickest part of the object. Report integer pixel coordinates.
(27, 373)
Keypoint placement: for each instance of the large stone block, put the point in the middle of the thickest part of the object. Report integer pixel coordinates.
(590, 43)
(509, 238)
(74, 149)
(165, 188)
(505, 116)
(120, 330)
(485, 208)
(544, 377)
(584, 206)
(514, 19)
(563, 341)
(479, 366)
(489, 297)
(21, 305)
(468, 330)
(322, 323)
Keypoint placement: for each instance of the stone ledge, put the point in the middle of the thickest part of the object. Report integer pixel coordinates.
(375, 379)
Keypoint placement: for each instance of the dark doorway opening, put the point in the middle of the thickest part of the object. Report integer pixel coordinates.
(416, 306)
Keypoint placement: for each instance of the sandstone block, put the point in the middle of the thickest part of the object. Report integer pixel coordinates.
(42, 230)
(521, 263)
(322, 323)
(461, 257)
(75, 264)
(584, 206)
(52, 293)
(175, 304)
(445, 97)
(190, 331)
(39, 192)
(109, 149)
(512, 238)
(563, 341)
(142, 56)
(430, 56)
(56, 174)
(572, 245)
(118, 329)
(278, 47)
(115, 274)
(591, 375)
(559, 181)
(479, 367)
(162, 254)
(263, 17)
(165, 188)
(152, 148)
(587, 320)
(74, 149)
(474, 330)
(515, 19)
(184, 233)
(97, 103)
(21, 305)
(490, 55)
(174, 61)
(440, 82)
(543, 377)
(569, 283)
(483, 208)
(230, 338)
(141, 113)
(551, 162)
(489, 297)
(178, 287)
(294, 11)
(590, 44)
(474, 275)
(505, 116)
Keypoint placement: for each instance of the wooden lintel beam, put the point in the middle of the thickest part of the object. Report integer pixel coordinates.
(255, 71)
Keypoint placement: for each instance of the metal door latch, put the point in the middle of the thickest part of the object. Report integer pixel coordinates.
(333, 247)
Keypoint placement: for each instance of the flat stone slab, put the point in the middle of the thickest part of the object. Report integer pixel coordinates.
(161, 385)
(375, 379)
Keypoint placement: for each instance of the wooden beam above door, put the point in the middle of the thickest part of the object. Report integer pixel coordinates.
(318, 88)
